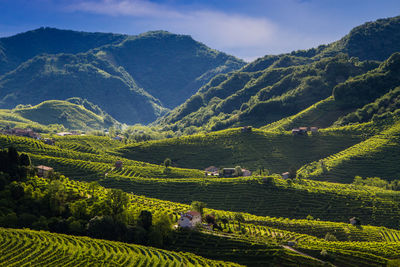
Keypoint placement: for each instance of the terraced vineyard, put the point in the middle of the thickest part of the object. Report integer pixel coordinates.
(375, 157)
(91, 164)
(274, 197)
(322, 114)
(27, 247)
(276, 152)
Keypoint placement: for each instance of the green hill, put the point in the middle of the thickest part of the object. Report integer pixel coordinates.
(70, 115)
(377, 156)
(275, 87)
(24, 46)
(86, 76)
(276, 152)
(128, 77)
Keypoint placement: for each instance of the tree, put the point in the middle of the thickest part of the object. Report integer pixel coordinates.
(118, 200)
(24, 160)
(238, 171)
(145, 219)
(198, 206)
(292, 172)
(167, 162)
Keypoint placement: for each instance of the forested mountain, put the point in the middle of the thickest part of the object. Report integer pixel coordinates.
(133, 78)
(274, 87)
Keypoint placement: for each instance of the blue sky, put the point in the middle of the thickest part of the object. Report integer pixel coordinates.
(245, 28)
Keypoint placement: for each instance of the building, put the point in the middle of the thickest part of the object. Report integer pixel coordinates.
(285, 175)
(246, 129)
(228, 172)
(212, 169)
(246, 172)
(190, 219)
(354, 221)
(299, 131)
(314, 129)
(44, 171)
(63, 133)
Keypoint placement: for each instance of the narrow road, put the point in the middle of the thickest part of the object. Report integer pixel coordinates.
(306, 255)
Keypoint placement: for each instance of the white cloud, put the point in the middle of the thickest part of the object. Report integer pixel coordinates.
(217, 29)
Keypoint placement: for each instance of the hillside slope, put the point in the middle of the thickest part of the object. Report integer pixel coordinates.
(84, 75)
(274, 87)
(49, 249)
(71, 116)
(276, 152)
(133, 78)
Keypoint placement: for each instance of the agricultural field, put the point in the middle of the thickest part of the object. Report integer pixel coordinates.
(40, 248)
(276, 152)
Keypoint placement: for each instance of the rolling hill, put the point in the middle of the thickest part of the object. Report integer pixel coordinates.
(275, 87)
(71, 116)
(128, 77)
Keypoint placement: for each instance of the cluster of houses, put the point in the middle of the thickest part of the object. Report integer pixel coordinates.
(225, 172)
(304, 130)
(21, 132)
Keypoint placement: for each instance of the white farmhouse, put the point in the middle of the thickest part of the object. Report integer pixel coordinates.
(189, 219)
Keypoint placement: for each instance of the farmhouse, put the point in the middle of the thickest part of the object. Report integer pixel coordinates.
(246, 129)
(246, 172)
(285, 175)
(64, 133)
(189, 219)
(299, 131)
(228, 172)
(354, 221)
(44, 171)
(212, 169)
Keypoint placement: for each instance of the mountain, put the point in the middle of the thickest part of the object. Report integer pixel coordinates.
(274, 87)
(133, 78)
(19, 48)
(64, 76)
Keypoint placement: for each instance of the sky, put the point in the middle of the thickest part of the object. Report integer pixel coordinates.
(247, 29)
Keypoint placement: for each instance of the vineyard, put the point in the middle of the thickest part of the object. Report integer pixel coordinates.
(90, 162)
(275, 211)
(276, 152)
(34, 248)
(372, 158)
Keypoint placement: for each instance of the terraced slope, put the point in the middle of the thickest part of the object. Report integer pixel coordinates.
(274, 197)
(375, 157)
(27, 247)
(92, 164)
(276, 152)
(322, 114)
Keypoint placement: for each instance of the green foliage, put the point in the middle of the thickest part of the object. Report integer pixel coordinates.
(107, 70)
(198, 206)
(71, 116)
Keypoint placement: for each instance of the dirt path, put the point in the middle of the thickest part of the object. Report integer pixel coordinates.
(306, 255)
